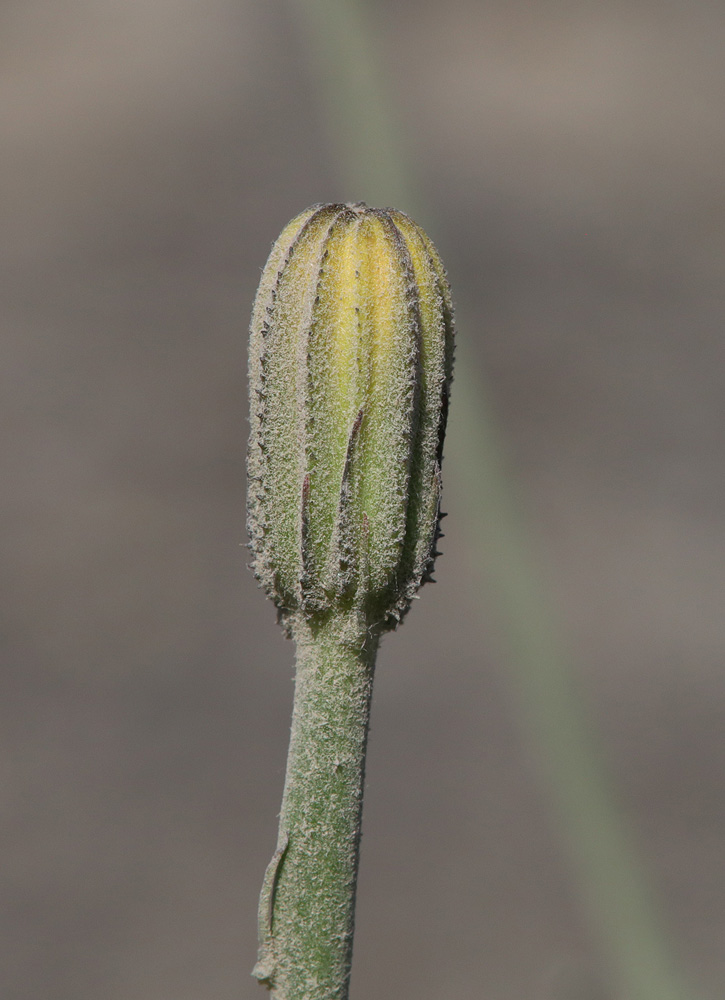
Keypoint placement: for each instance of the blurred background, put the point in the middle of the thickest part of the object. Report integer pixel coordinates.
(570, 159)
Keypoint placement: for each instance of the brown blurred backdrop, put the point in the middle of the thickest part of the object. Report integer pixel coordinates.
(572, 155)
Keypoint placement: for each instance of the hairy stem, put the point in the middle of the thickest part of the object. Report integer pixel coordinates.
(308, 900)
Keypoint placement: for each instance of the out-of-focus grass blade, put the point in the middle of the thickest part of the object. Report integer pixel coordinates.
(361, 120)
(608, 877)
(341, 42)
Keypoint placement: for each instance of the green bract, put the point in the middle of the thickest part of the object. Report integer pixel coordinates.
(350, 367)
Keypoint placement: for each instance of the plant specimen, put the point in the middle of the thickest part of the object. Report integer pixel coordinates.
(351, 354)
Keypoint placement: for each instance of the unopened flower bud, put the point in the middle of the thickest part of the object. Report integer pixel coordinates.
(351, 354)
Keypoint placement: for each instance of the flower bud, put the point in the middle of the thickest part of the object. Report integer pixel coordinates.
(351, 353)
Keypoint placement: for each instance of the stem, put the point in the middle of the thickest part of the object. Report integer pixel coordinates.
(306, 913)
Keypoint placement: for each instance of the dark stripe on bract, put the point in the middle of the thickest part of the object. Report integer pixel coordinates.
(407, 569)
(304, 532)
(443, 289)
(343, 547)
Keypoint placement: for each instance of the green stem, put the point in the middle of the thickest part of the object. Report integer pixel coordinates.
(307, 905)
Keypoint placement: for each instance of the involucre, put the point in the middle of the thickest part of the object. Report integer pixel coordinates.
(351, 353)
